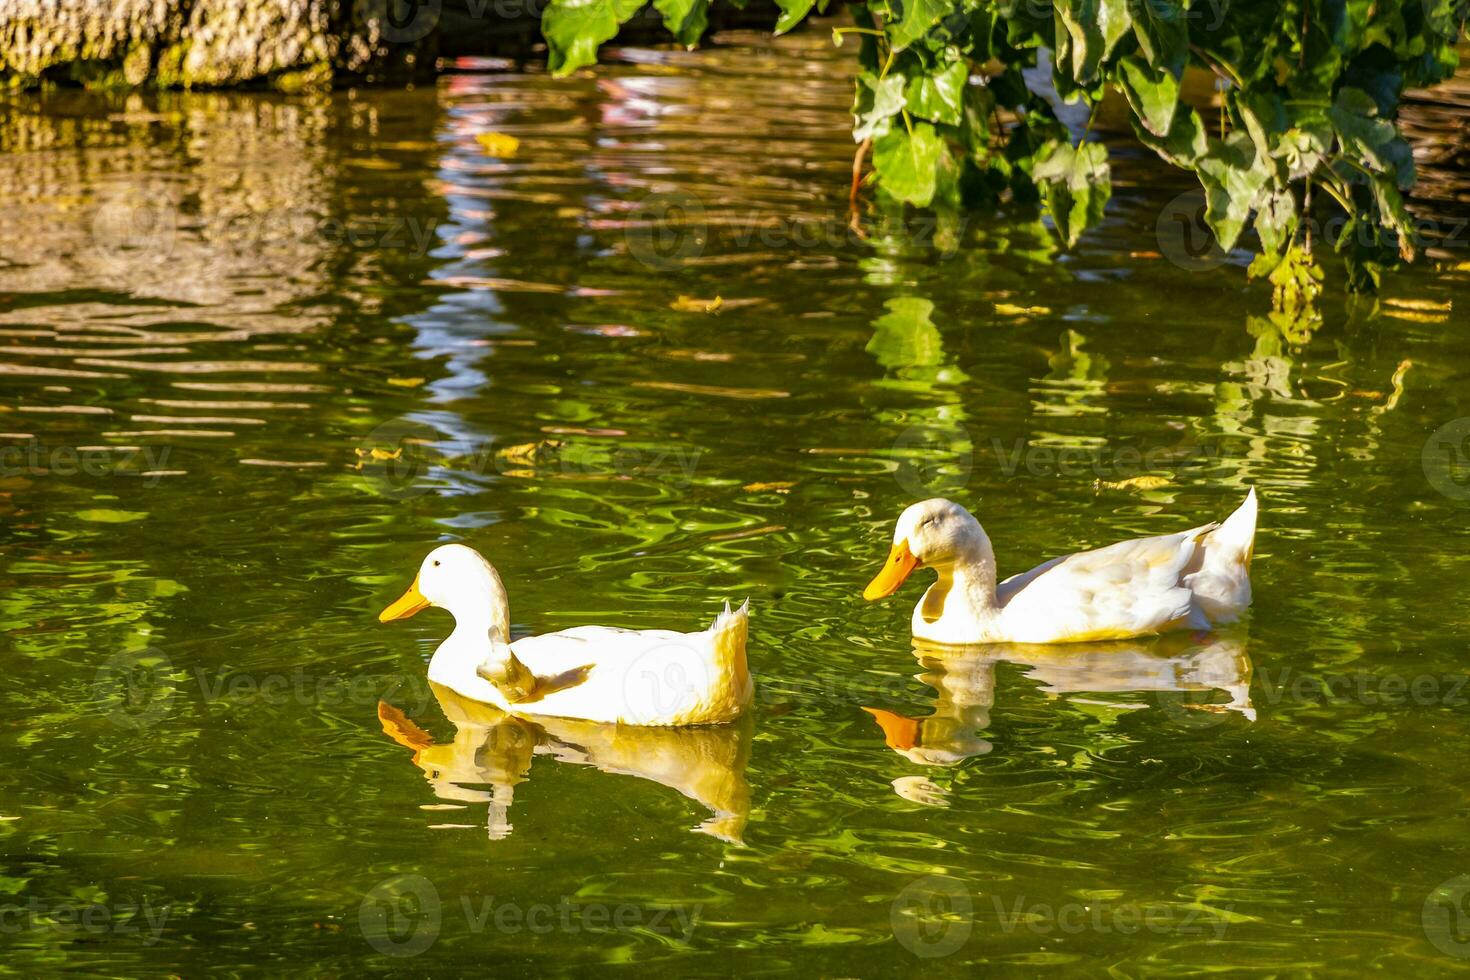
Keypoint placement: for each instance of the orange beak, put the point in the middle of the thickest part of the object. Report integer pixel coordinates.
(901, 562)
(405, 605)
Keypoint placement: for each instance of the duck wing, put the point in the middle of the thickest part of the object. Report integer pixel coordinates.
(1126, 589)
(640, 677)
(552, 653)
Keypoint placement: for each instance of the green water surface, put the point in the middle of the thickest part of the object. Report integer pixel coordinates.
(223, 316)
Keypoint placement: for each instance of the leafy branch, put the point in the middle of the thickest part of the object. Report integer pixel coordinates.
(1308, 97)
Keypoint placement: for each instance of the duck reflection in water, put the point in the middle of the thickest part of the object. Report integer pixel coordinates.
(494, 749)
(1180, 670)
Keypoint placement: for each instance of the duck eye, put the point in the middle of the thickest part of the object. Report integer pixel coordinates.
(436, 563)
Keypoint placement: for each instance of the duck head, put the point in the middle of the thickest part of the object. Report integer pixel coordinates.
(936, 532)
(456, 578)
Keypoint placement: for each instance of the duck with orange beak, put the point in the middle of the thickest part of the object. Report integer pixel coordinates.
(1194, 579)
(595, 673)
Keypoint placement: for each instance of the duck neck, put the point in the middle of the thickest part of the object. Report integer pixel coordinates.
(481, 623)
(965, 592)
(477, 624)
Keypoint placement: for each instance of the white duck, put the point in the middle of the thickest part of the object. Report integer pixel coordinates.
(1192, 579)
(596, 673)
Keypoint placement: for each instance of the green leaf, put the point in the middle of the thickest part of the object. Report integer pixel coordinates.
(1355, 101)
(1079, 42)
(875, 104)
(1375, 141)
(574, 29)
(1038, 131)
(1087, 31)
(1443, 18)
(1075, 185)
(1162, 29)
(1232, 182)
(1304, 144)
(685, 19)
(1321, 56)
(1186, 141)
(1264, 115)
(792, 13)
(1009, 87)
(1393, 214)
(939, 96)
(1114, 22)
(908, 165)
(1276, 220)
(977, 40)
(979, 104)
(919, 17)
(1152, 93)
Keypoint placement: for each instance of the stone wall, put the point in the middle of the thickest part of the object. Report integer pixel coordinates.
(204, 43)
(287, 44)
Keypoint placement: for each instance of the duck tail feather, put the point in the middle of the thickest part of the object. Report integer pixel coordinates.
(731, 618)
(729, 632)
(1238, 533)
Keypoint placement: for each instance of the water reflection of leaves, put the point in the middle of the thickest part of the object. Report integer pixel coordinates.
(1077, 382)
(934, 452)
(905, 336)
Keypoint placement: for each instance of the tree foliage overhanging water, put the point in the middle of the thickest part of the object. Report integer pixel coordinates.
(1306, 135)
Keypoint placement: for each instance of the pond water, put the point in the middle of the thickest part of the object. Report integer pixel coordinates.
(644, 367)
